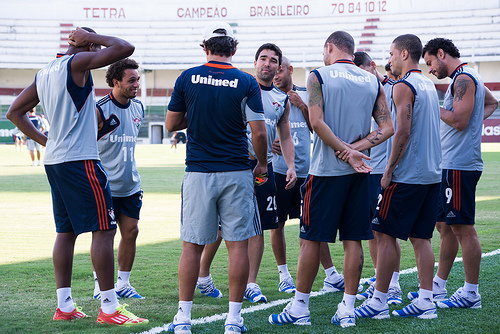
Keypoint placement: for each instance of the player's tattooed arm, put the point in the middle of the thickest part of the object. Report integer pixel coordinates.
(403, 99)
(460, 88)
(314, 92)
(382, 116)
(463, 90)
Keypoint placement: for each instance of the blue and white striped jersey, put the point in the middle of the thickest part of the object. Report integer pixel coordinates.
(116, 143)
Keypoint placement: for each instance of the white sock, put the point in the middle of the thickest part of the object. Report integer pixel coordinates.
(330, 271)
(300, 304)
(425, 295)
(380, 298)
(234, 311)
(471, 288)
(283, 270)
(64, 300)
(184, 311)
(109, 302)
(438, 284)
(96, 282)
(348, 301)
(122, 279)
(395, 280)
(375, 269)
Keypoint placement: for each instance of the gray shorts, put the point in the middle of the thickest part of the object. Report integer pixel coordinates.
(32, 145)
(225, 197)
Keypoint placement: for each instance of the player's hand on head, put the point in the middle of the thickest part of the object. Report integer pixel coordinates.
(78, 37)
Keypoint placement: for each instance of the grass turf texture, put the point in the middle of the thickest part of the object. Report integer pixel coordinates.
(27, 281)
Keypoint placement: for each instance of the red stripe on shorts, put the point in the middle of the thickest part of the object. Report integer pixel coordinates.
(386, 201)
(98, 195)
(307, 201)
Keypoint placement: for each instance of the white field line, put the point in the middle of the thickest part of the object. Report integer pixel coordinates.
(260, 307)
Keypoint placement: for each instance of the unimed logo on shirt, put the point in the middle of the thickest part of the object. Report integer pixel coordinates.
(198, 79)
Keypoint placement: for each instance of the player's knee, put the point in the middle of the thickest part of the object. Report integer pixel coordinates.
(131, 233)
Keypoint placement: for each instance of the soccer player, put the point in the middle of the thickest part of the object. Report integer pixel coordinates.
(465, 105)
(378, 155)
(342, 99)
(215, 101)
(32, 145)
(80, 192)
(410, 184)
(276, 112)
(120, 117)
(288, 202)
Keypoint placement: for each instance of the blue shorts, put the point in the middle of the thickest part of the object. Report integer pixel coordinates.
(130, 206)
(335, 203)
(266, 199)
(81, 197)
(288, 202)
(407, 210)
(374, 190)
(457, 198)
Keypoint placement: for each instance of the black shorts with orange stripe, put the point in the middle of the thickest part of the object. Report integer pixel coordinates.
(337, 203)
(407, 210)
(81, 197)
(457, 198)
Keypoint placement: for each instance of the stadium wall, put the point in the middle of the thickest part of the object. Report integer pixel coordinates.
(167, 34)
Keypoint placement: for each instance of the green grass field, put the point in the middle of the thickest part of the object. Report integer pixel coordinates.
(27, 281)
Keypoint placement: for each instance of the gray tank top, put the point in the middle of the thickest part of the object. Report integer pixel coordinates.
(349, 95)
(378, 154)
(421, 160)
(462, 149)
(301, 140)
(70, 110)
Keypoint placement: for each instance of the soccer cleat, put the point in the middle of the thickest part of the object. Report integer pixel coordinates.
(286, 318)
(209, 290)
(415, 309)
(394, 296)
(367, 294)
(254, 294)
(436, 295)
(77, 313)
(179, 328)
(127, 292)
(461, 299)
(287, 286)
(121, 317)
(233, 327)
(366, 310)
(344, 320)
(369, 281)
(334, 283)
